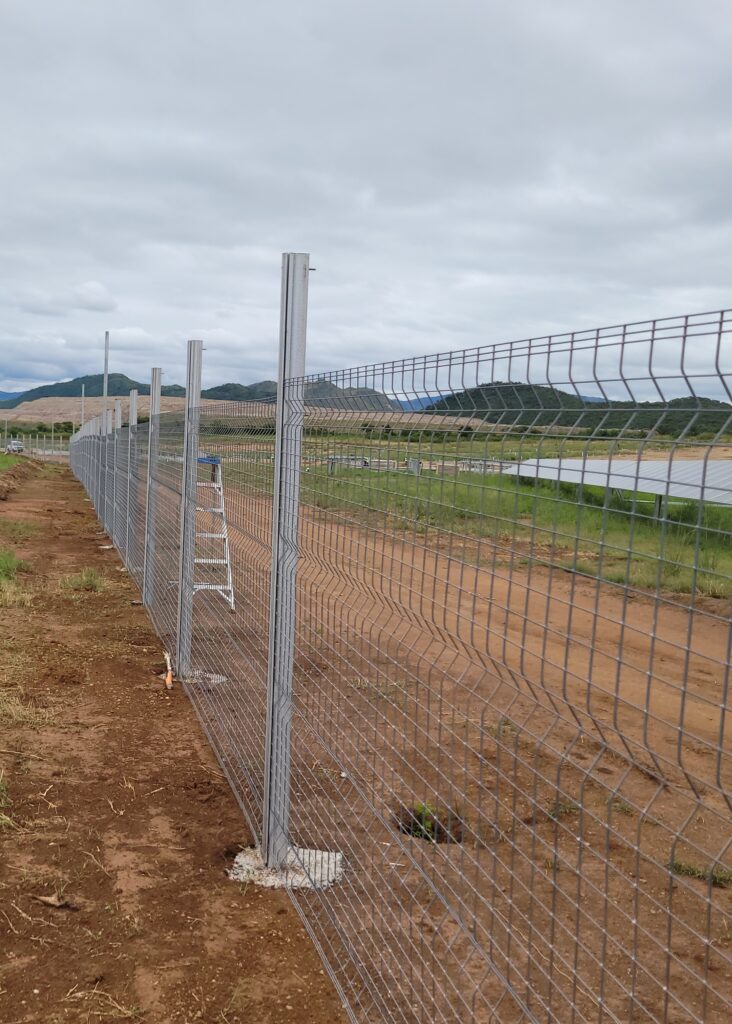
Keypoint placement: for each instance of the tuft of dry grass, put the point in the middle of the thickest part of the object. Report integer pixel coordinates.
(13, 596)
(87, 580)
(17, 529)
(5, 820)
(16, 709)
(5, 800)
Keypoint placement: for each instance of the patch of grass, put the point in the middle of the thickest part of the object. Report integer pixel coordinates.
(10, 564)
(622, 807)
(504, 727)
(422, 824)
(381, 690)
(719, 876)
(6, 461)
(561, 809)
(17, 529)
(86, 580)
(6, 821)
(13, 596)
(435, 824)
(16, 709)
(613, 536)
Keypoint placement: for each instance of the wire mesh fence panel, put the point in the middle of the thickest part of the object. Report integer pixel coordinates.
(230, 626)
(120, 490)
(511, 664)
(137, 502)
(164, 526)
(512, 677)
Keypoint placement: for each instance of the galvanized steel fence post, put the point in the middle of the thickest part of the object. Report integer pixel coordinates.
(152, 454)
(115, 471)
(131, 460)
(288, 441)
(107, 430)
(102, 507)
(186, 561)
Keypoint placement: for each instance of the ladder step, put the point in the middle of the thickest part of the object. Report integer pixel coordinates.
(212, 586)
(210, 561)
(218, 511)
(212, 536)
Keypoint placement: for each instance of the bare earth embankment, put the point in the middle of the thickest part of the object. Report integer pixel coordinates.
(59, 410)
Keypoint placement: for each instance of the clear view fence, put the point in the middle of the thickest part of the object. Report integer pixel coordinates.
(463, 623)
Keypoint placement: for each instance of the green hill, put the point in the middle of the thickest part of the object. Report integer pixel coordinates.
(327, 395)
(118, 386)
(242, 392)
(514, 404)
(320, 392)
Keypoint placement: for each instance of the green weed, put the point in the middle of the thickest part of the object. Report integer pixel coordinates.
(561, 809)
(504, 727)
(10, 564)
(435, 824)
(719, 877)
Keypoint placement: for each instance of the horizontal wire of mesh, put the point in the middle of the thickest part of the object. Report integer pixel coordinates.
(512, 677)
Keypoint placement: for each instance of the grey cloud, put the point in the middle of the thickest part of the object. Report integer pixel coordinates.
(461, 173)
(91, 295)
(94, 296)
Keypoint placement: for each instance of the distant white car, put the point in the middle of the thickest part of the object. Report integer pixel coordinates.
(14, 447)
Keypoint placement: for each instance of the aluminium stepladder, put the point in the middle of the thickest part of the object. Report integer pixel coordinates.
(214, 529)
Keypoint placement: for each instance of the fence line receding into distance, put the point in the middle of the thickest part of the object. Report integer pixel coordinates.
(500, 693)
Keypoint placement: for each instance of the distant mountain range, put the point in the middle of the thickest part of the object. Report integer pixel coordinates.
(433, 401)
(320, 392)
(512, 404)
(417, 404)
(9, 394)
(118, 385)
(515, 404)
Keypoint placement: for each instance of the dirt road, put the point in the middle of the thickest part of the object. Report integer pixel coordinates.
(116, 824)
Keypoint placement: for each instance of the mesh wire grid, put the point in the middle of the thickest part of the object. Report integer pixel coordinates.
(510, 689)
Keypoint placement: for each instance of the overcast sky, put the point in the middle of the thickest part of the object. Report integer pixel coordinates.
(462, 173)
